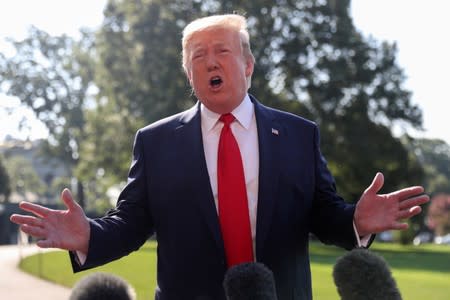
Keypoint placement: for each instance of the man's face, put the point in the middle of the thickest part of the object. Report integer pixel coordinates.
(217, 69)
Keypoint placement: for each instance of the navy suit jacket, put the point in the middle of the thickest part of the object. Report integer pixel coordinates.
(169, 194)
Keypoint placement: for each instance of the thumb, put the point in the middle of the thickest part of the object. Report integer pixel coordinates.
(377, 184)
(67, 198)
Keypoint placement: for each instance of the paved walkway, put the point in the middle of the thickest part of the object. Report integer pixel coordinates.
(18, 285)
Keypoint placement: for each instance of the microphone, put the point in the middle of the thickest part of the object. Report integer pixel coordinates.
(249, 281)
(102, 286)
(363, 275)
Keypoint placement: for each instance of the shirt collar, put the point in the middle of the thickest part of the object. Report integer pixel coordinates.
(243, 114)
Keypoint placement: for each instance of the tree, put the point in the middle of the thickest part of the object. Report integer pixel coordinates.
(53, 76)
(24, 178)
(5, 183)
(434, 155)
(438, 217)
(140, 78)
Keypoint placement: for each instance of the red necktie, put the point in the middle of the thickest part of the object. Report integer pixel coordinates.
(233, 204)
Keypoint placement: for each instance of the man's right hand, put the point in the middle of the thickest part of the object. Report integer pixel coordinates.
(65, 229)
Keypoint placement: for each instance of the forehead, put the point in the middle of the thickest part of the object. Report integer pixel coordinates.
(214, 36)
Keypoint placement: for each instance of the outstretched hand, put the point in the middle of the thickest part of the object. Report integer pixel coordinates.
(66, 229)
(376, 213)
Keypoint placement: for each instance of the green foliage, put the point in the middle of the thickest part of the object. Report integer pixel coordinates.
(23, 176)
(5, 184)
(50, 75)
(140, 80)
(57, 186)
(53, 76)
(107, 148)
(418, 271)
(434, 155)
(351, 86)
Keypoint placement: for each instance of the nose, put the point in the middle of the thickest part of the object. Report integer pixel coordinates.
(211, 62)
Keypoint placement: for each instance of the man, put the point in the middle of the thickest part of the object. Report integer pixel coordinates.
(178, 186)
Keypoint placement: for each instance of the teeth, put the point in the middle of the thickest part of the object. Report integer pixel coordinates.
(216, 81)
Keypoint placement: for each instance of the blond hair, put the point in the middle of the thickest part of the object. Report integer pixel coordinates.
(232, 22)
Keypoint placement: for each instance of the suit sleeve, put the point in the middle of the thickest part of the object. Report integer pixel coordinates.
(332, 217)
(126, 227)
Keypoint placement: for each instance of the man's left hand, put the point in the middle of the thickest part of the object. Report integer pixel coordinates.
(377, 213)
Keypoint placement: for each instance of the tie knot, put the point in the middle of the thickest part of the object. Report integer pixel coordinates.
(227, 119)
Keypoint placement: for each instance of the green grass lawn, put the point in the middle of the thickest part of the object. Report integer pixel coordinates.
(421, 272)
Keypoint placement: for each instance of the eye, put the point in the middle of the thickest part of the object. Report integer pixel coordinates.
(197, 55)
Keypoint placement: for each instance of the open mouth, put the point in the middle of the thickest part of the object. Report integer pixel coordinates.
(215, 82)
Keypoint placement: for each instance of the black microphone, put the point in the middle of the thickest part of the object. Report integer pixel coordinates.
(362, 275)
(102, 286)
(249, 281)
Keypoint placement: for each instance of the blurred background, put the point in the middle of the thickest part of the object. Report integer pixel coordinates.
(78, 78)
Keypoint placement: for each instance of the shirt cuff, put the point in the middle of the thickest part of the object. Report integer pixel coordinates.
(81, 257)
(363, 242)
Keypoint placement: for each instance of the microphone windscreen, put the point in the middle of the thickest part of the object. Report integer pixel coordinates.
(249, 281)
(102, 286)
(363, 275)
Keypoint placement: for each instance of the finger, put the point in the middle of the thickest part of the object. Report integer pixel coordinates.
(28, 220)
(35, 231)
(415, 201)
(67, 198)
(408, 213)
(36, 209)
(47, 243)
(377, 183)
(17, 219)
(400, 226)
(407, 192)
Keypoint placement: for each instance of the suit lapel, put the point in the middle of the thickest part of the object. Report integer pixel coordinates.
(189, 138)
(269, 135)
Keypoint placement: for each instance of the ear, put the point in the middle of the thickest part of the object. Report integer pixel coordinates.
(188, 74)
(249, 67)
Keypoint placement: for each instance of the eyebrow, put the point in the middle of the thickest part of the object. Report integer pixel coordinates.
(215, 44)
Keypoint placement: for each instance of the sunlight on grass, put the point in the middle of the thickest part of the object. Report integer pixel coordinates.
(138, 268)
(421, 272)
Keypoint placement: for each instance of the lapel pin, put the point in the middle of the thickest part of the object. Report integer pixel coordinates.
(274, 131)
